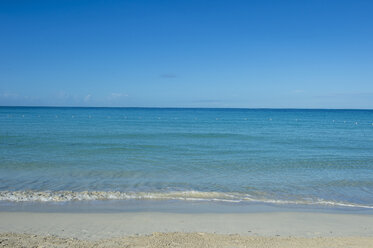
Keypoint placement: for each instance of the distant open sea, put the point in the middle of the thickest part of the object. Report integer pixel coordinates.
(276, 156)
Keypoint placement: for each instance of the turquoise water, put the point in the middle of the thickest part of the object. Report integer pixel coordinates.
(282, 156)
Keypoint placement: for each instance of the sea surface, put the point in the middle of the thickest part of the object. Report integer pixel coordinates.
(275, 156)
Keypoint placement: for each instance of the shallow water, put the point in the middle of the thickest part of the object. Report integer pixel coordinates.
(316, 157)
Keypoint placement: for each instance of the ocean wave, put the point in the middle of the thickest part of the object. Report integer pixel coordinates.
(233, 197)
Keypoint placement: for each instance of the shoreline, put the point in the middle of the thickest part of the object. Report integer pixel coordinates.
(180, 223)
(94, 226)
(172, 206)
(186, 196)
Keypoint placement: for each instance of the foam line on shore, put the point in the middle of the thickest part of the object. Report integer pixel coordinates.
(233, 197)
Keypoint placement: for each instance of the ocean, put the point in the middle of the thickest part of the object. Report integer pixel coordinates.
(275, 156)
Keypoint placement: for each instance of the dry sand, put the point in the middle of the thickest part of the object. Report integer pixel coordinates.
(148, 229)
(186, 240)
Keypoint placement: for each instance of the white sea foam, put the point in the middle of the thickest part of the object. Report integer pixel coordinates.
(63, 196)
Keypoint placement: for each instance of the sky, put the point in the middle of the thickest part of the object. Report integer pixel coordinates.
(195, 53)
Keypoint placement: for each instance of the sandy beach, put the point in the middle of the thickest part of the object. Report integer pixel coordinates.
(185, 240)
(167, 124)
(152, 229)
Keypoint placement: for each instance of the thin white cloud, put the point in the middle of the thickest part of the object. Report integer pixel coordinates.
(114, 96)
(63, 95)
(87, 98)
(9, 95)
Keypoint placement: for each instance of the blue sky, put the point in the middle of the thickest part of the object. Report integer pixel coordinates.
(250, 54)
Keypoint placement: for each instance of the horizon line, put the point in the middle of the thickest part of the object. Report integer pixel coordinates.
(153, 107)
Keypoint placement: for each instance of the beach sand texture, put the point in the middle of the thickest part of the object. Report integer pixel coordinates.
(148, 229)
(186, 240)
